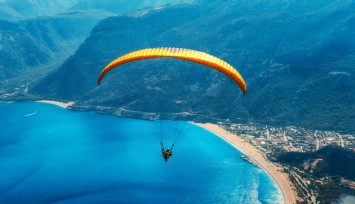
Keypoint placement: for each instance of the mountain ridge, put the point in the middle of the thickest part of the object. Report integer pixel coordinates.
(299, 72)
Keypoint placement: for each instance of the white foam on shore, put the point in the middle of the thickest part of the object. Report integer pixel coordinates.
(283, 196)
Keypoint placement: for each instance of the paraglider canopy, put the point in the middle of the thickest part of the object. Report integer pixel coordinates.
(179, 53)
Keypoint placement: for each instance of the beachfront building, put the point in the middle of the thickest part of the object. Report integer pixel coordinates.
(271, 139)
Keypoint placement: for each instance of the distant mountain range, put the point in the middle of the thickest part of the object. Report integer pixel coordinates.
(20, 10)
(297, 58)
(38, 36)
(34, 42)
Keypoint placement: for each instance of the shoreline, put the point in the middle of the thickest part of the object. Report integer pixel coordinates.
(57, 103)
(273, 170)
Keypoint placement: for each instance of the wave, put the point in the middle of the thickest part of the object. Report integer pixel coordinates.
(31, 114)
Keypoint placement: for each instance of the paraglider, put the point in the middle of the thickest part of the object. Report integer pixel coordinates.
(182, 54)
(166, 152)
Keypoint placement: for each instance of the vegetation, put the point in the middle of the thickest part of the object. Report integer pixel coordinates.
(325, 169)
(296, 73)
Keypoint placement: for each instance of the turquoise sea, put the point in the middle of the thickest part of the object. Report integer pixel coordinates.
(52, 155)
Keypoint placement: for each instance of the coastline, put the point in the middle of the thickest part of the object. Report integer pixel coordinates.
(274, 170)
(57, 103)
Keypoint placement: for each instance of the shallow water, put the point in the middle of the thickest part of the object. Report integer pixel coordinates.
(49, 154)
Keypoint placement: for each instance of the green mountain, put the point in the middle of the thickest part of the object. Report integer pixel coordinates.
(32, 48)
(333, 161)
(296, 57)
(16, 44)
(329, 172)
(37, 36)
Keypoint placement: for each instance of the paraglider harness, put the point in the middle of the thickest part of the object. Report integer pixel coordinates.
(166, 153)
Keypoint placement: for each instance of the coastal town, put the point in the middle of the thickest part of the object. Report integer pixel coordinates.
(268, 140)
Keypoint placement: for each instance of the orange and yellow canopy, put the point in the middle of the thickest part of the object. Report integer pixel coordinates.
(179, 53)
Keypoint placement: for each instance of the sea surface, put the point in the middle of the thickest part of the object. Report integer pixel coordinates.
(52, 155)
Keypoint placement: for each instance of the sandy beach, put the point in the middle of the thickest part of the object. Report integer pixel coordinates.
(274, 170)
(61, 104)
